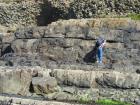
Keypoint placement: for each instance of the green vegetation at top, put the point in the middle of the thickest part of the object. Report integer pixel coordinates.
(134, 16)
(111, 102)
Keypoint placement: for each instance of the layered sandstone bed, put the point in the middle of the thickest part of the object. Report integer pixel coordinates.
(68, 85)
(6, 100)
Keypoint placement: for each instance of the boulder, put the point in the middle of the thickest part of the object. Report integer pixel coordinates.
(44, 85)
(15, 82)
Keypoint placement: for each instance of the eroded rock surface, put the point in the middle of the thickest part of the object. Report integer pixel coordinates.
(95, 79)
(44, 85)
(70, 85)
(15, 81)
(70, 44)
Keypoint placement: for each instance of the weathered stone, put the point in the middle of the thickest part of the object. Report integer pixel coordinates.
(17, 81)
(119, 80)
(24, 33)
(62, 96)
(23, 101)
(59, 43)
(54, 36)
(71, 90)
(96, 79)
(135, 36)
(109, 80)
(38, 32)
(44, 85)
(76, 78)
(22, 46)
(8, 38)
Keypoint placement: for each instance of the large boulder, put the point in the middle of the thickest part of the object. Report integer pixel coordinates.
(15, 81)
(44, 85)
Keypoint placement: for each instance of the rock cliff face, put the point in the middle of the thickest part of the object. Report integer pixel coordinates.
(70, 44)
(65, 51)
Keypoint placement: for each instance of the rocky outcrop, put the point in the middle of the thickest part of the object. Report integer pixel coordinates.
(6, 100)
(95, 79)
(70, 44)
(95, 85)
(69, 85)
(23, 80)
(119, 80)
(65, 51)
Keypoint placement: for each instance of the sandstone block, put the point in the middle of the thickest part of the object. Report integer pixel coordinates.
(44, 85)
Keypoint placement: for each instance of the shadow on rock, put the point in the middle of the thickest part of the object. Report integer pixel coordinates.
(49, 14)
(90, 57)
(8, 49)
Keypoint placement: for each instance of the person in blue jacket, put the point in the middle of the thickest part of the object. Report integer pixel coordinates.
(100, 43)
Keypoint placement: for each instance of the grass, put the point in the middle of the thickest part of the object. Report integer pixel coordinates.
(111, 102)
(134, 16)
(84, 99)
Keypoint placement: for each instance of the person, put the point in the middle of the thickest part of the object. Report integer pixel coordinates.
(100, 43)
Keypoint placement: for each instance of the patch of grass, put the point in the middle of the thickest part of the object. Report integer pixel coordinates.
(84, 99)
(111, 102)
(134, 16)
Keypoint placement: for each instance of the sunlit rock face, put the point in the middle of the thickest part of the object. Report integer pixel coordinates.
(70, 44)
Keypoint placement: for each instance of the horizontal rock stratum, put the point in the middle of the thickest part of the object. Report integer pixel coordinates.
(21, 101)
(70, 44)
(70, 85)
